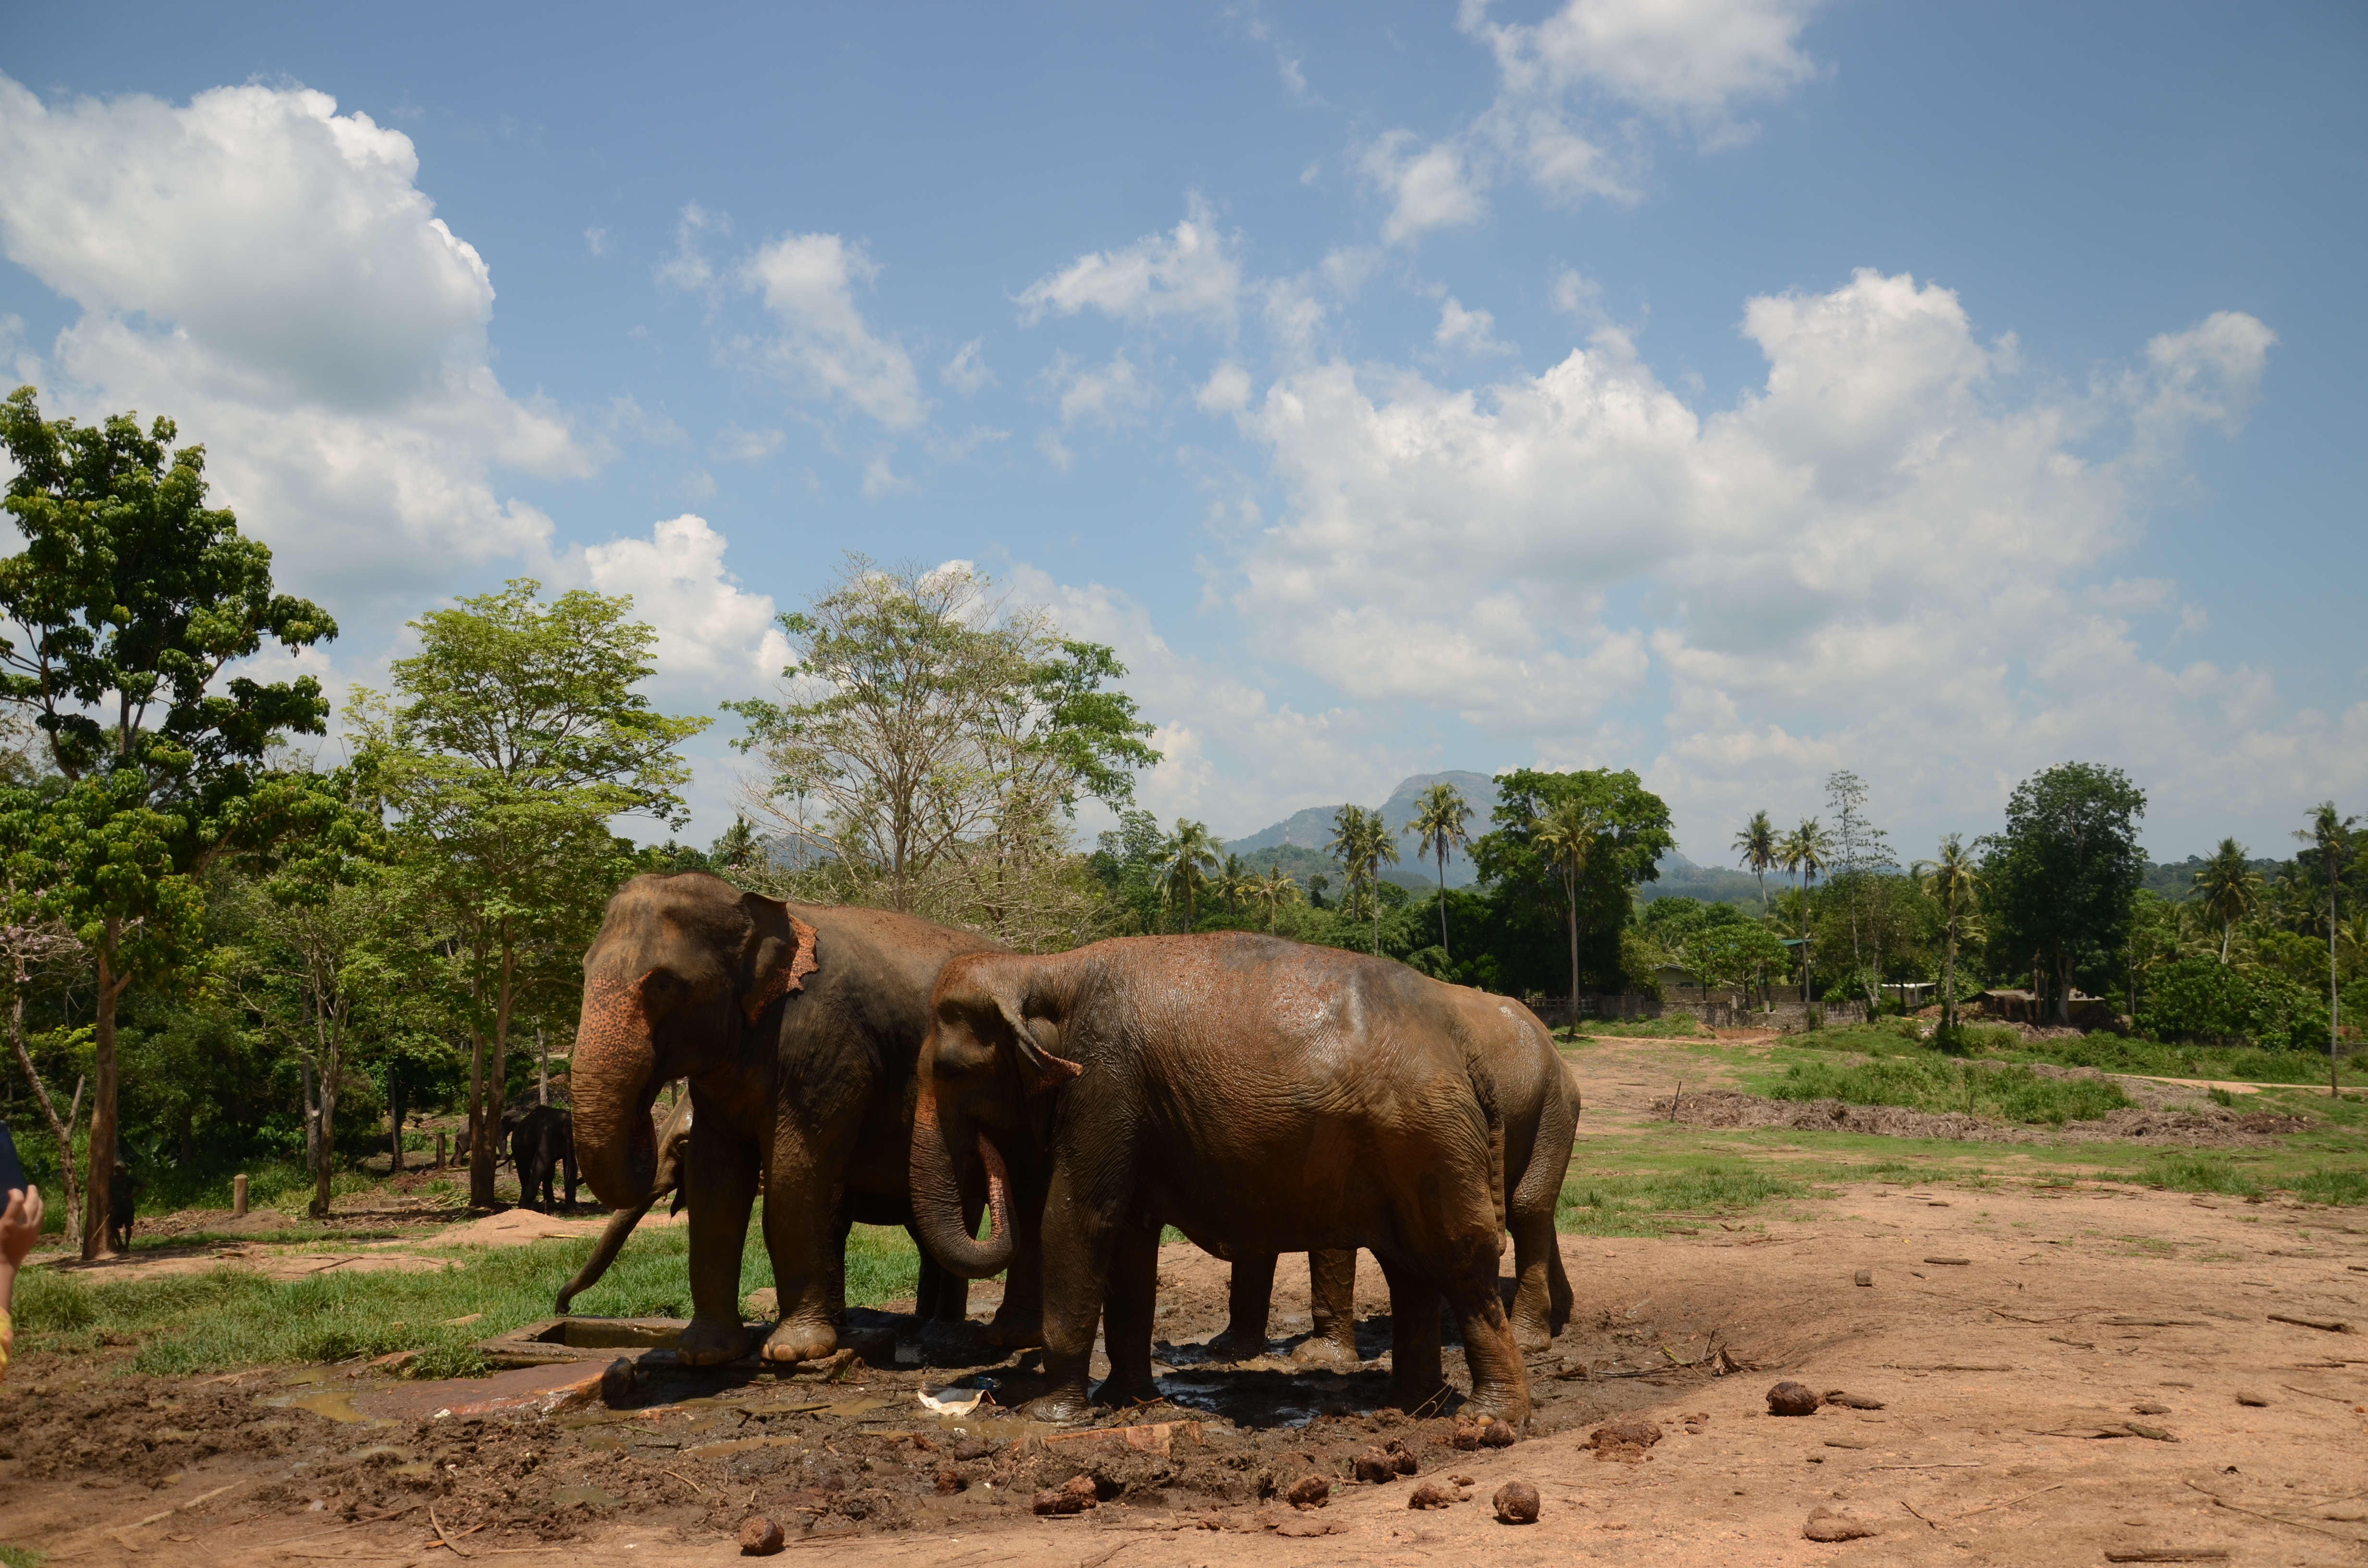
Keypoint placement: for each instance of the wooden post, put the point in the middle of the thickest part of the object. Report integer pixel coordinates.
(439, 1148)
(238, 1196)
(541, 1069)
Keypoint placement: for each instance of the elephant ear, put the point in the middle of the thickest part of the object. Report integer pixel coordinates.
(783, 951)
(1039, 1068)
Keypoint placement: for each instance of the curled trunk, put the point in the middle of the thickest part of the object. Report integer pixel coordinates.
(613, 1082)
(940, 1149)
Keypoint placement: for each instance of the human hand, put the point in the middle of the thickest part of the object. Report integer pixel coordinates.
(20, 1225)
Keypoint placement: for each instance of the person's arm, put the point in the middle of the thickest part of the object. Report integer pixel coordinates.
(20, 1227)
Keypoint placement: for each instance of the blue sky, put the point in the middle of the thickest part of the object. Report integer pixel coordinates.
(1734, 390)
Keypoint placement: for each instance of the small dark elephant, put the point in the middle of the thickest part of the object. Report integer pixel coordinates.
(463, 1139)
(541, 1144)
(122, 1198)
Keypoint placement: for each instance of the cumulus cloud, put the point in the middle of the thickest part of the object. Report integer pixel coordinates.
(712, 634)
(1894, 542)
(1186, 272)
(266, 271)
(808, 282)
(1100, 393)
(1427, 187)
(1466, 331)
(1226, 391)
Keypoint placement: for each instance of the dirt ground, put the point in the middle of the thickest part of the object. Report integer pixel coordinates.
(2056, 1373)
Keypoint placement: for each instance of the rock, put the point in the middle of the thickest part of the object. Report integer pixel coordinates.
(1864, 1276)
(1793, 1399)
(950, 1480)
(1517, 1503)
(1824, 1524)
(2148, 1407)
(1309, 1492)
(1852, 1401)
(1461, 1480)
(760, 1537)
(1372, 1465)
(1498, 1434)
(1080, 1489)
(1431, 1494)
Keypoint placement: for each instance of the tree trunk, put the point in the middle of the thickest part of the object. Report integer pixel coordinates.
(1443, 908)
(308, 1077)
(541, 1069)
(1572, 889)
(481, 1141)
(1948, 985)
(393, 1120)
(60, 1129)
(98, 1189)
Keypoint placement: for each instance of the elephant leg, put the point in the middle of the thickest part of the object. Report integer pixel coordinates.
(571, 1178)
(1500, 1384)
(806, 1214)
(1559, 1300)
(1534, 1254)
(1248, 1299)
(1541, 1297)
(1130, 1297)
(1019, 1322)
(1332, 1310)
(612, 1241)
(1077, 1247)
(1415, 1385)
(941, 1295)
(725, 1172)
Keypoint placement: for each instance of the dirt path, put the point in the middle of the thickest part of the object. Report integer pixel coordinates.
(2075, 1385)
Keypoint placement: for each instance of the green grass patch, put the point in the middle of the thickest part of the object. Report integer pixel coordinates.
(1630, 1204)
(1677, 1025)
(1936, 1083)
(2189, 1172)
(2325, 1185)
(20, 1557)
(231, 1318)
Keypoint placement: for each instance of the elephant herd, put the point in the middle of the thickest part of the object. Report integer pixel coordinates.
(1260, 1096)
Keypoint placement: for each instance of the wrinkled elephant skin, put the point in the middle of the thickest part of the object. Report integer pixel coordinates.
(797, 1027)
(1262, 1095)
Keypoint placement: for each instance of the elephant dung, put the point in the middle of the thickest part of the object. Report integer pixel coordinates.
(1517, 1503)
(1824, 1524)
(1309, 1492)
(1793, 1399)
(760, 1537)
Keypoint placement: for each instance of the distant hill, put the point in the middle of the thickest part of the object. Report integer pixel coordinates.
(2176, 881)
(1312, 828)
(1681, 878)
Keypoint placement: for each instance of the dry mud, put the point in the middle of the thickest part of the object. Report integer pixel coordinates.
(2100, 1372)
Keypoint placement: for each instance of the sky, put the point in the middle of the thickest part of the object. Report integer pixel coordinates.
(1735, 390)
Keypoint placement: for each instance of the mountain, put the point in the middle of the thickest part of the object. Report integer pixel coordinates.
(1312, 828)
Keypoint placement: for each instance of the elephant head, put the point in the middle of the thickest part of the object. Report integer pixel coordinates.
(684, 969)
(990, 1049)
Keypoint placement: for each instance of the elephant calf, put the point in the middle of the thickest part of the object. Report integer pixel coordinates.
(541, 1143)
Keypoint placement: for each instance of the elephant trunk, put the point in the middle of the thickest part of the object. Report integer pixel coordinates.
(613, 1079)
(612, 1241)
(940, 1149)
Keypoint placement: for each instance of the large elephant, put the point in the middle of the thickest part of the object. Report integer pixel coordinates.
(1531, 1085)
(798, 1027)
(1262, 1095)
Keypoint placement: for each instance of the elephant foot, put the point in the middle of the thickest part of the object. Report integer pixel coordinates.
(1232, 1346)
(1417, 1399)
(793, 1341)
(1061, 1406)
(1508, 1402)
(1016, 1330)
(1323, 1350)
(1531, 1333)
(1121, 1392)
(710, 1342)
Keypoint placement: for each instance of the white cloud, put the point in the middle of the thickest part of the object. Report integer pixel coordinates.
(1467, 332)
(735, 445)
(1577, 296)
(688, 268)
(1186, 272)
(878, 479)
(966, 372)
(1100, 393)
(1429, 188)
(1891, 556)
(713, 635)
(1056, 451)
(1694, 59)
(807, 281)
(596, 241)
(1227, 390)
(266, 271)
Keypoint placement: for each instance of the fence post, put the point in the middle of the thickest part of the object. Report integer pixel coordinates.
(238, 1196)
(439, 1148)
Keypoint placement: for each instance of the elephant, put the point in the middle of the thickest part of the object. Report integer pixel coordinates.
(798, 1027)
(1260, 1095)
(502, 1131)
(672, 1137)
(542, 1141)
(1532, 1087)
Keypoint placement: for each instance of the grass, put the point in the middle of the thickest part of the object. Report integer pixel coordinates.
(1677, 1025)
(2107, 1052)
(20, 1557)
(1935, 1084)
(231, 1318)
(1622, 1204)
(2187, 1172)
(2332, 1186)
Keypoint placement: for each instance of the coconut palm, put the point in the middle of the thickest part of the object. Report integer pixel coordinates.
(2330, 834)
(1952, 881)
(1361, 842)
(1756, 846)
(1567, 838)
(2228, 889)
(1186, 860)
(1277, 889)
(1234, 883)
(1441, 825)
(1805, 852)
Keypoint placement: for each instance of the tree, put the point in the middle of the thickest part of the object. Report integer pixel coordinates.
(1533, 899)
(2064, 875)
(1361, 840)
(34, 941)
(1567, 838)
(515, 736)
(920, 721)
(1858, 850)
(2330, 834)
(1954, 882)
(1275, 892)
(1187, 858)
(1441, 825)
(132, 596)
(1756, 846)
(1804, 854)
(2229, 889)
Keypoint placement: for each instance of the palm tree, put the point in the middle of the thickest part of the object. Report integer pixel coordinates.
(1757, 846)
(1234, 883)
(1187, 858)
(1805, 853)
(1440, 819)
(1362, 841)
(1953, 882)
(1276, 890)
(2331, 836)
(1567, 838)
(2228, 889)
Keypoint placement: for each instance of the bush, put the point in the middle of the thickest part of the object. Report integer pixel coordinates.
(1934, 1083)
(2324, 1186)
(2201, 997)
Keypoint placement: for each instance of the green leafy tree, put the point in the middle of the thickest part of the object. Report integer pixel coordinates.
(1756, 845)
(129, 600)
(1441, 825)
(2229, 890)
(512, 738)
(1954, 882)
(1187, 860)
(1566, 838)
(2063, 877)
(1531, 922)
(34, 940)
(1860, 851)
(1805, 852)
(1362, 841)
(2330, 834)
(1274, 893)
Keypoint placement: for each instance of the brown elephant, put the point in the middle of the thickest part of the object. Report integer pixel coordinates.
(798, 1027)
(1531, 1087)
(1262, 1095)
